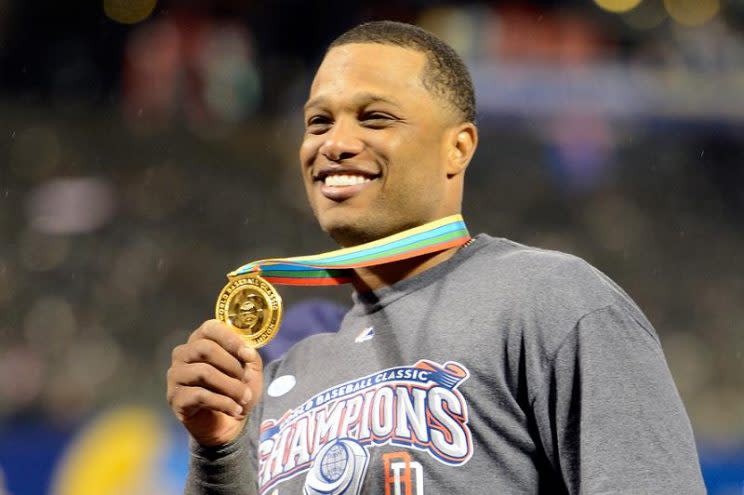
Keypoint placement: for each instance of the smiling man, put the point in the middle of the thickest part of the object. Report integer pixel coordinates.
(481, 366)
(385, 147)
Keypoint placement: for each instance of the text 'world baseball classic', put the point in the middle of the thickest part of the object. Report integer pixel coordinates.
(418, 407)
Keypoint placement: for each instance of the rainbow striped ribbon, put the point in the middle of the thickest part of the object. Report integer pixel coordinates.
(334, 267)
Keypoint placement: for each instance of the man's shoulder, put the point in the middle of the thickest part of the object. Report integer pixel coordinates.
(534, 265)
(516, 252)
(545, 281)
(542, 293)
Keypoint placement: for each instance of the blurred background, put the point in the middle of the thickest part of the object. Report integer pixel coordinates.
(149, 147)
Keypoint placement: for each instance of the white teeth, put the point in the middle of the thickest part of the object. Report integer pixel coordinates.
(342, 180)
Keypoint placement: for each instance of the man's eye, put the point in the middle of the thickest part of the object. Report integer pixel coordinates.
(318, 124)
(376, 119)
(376, 116)
(317, 119)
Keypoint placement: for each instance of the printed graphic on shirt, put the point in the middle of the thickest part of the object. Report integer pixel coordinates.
(281, 385)
(365, 335)
(339, 468)
(402, 476)
(329, 436)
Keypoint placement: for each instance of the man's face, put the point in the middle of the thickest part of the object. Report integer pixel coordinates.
(374, 152)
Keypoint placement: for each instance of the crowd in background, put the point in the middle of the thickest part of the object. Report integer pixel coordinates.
(143, 159)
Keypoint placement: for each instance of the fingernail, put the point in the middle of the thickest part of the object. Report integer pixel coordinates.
(238, 411)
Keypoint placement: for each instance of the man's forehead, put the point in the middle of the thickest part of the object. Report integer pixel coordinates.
(369, 64)
(359, 99)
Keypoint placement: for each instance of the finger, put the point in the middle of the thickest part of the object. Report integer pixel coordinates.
(232, 342)
(209, 351)
(206, 376)
(187, 401)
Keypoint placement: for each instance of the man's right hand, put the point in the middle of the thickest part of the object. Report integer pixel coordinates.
(214, 382)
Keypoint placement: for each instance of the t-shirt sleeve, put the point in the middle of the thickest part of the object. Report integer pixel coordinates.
(224, 470)
(610, 416)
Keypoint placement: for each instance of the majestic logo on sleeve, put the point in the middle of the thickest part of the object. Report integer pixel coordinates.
(418, 407)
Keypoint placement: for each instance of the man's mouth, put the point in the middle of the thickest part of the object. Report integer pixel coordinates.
(344, 180)
(342, 185)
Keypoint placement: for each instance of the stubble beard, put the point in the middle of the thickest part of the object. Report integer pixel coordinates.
(353, 234)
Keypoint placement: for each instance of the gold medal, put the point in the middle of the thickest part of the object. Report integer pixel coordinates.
(252, 307)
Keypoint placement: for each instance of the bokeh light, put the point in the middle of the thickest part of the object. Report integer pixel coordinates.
(692, 12)
(231, 81)
(70, 205)
(454, 25)
(111, 455)
(128, 11)
(617, 6)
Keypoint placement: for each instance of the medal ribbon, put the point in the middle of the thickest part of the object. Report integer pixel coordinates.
(335, 267)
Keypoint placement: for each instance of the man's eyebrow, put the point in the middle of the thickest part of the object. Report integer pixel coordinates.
(360, 99)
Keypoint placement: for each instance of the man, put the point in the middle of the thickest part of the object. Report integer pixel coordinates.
(486, 368)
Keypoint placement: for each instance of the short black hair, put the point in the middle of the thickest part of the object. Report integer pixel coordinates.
(445, 74)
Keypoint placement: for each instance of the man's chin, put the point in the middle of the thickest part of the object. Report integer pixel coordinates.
(347, 235)
(348, 231)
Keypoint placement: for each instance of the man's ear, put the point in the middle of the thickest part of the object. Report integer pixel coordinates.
(462, 141)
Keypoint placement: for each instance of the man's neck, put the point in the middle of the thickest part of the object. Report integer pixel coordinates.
(375, 277)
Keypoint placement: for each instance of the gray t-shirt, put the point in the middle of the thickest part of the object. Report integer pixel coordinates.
(506, 369)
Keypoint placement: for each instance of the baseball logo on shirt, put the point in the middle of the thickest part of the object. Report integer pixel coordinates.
(339, 468)
(417, 407)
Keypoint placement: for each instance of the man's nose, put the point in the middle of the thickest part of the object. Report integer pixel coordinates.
(341, 143)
